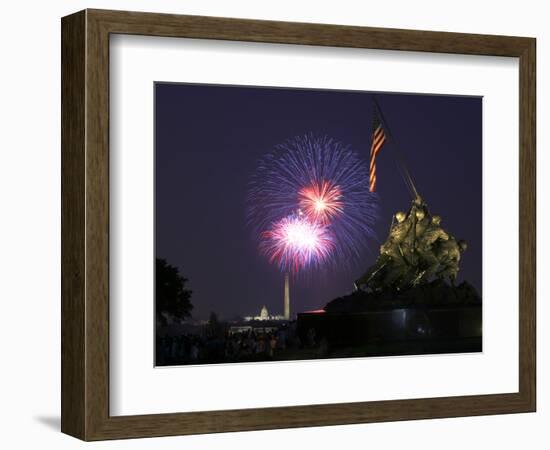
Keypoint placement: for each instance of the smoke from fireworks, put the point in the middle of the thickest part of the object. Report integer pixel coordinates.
(309, 204)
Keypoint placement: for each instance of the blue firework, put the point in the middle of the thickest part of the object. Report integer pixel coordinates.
(322, 180)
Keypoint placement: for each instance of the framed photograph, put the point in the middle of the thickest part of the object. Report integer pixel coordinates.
(272, 225)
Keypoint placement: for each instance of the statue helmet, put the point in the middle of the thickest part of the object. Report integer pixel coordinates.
(462, 245)
(436, 220)
(420, 214)
(400, 216)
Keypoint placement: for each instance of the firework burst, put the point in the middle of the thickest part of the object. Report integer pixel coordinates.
(321, 201)
(295, 243)
(311, 185)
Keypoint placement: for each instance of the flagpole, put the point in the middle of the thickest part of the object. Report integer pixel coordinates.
(400, 157)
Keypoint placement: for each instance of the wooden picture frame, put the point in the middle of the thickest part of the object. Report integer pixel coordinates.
(85, 224)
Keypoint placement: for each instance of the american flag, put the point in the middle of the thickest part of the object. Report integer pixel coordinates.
(378, 139)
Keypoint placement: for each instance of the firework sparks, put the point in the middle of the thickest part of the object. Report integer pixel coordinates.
(321, 201)
(322, 182)
(295, 242)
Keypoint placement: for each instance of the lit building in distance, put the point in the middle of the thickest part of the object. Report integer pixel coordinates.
(264, 316)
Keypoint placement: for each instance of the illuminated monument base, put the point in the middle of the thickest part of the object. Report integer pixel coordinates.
(434, 318)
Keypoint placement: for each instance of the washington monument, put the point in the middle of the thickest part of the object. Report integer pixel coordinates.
(287, 298)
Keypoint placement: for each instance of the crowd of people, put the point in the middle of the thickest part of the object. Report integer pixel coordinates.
(225, 347)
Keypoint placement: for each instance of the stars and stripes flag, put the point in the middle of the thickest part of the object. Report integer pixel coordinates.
(378, 139)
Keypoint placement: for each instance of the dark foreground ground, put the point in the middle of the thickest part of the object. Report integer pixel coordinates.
(323, 350)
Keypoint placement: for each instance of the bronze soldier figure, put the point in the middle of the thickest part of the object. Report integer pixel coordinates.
(391, 259)
(416, 250)
(428, 260)
(448, 253)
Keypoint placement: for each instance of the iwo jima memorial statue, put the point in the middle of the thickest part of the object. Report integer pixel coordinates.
(408, 301)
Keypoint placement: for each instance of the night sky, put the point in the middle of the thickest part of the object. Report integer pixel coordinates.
(208, 140)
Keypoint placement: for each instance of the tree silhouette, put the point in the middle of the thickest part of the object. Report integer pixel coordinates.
(172, 299)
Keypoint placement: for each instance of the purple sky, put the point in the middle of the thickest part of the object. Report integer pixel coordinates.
(208, 140)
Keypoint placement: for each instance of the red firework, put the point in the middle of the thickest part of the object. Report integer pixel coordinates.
(321, 201)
